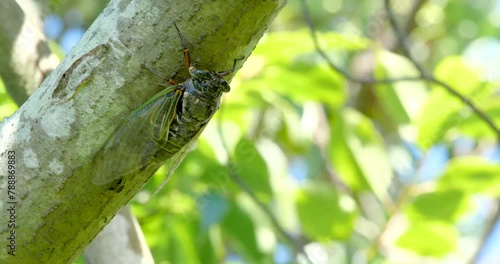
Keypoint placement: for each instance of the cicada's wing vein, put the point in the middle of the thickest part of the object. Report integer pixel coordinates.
(130, 146)
(162, 117)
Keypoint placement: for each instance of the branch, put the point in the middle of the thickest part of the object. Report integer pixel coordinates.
(338, 69)
(431, 78)
(246, 189)
(406, 50)
(411, 22)
(57, 134)
(424, 75)
(298, 246)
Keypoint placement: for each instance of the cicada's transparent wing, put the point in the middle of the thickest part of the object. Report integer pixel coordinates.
(173, 162)
(162, 116)
(132, 145)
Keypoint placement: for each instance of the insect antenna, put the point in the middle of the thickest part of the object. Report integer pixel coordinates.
(187, 57)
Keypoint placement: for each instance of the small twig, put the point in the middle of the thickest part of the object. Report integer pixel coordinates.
(402, 40)
(424, 75)
(239, 181)
(338, 69)
(411, 22)
(431, 78)
(297, 245)
(488, 231)
(470, 104)
(406, 50)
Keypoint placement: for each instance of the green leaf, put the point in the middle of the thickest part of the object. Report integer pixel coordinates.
(183, 248)
(276, 46)
(471, 175)
(252, 169)
(445, 206)
(342, 157)
(283, 67)
(442, 110)
(429, 238)
(171, 238)
(207, 250)
(322, 84)
(476, 127)
(7, 105)
(358, 154)
(457, 73)
(238, 225)
(324, 214)
(401, 100)
(286, 79)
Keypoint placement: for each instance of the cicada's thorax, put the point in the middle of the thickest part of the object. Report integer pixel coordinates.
(198, 105)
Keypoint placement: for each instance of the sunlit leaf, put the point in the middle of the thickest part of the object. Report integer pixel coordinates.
(430, 238)
(358, 155)
(301, 75)
(324, 214)
(476, 127)
(400, 100)
(442, 110)
(300, 81)
(443, 206)
(7, 105)
(471, 175)
(457, 73)
(277, 46)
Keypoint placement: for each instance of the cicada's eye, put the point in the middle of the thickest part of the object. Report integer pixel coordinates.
(225, 87)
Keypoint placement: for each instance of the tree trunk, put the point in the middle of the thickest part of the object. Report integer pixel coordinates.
(50, 142)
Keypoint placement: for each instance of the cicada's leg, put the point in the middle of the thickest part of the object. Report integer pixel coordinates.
(187, 57)
(225, 73)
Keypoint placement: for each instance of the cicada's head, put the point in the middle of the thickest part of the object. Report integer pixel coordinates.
(207, 80)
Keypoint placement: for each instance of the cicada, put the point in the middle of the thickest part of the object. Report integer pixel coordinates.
(163, 128)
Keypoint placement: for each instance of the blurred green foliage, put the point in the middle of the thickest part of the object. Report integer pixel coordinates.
(7, 105)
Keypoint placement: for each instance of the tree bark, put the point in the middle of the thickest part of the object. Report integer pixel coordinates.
(33, 57)
(52, 139)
